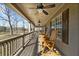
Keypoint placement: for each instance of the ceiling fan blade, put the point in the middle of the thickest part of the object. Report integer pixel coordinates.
(46, 13)
(49, 6)
(42, 6)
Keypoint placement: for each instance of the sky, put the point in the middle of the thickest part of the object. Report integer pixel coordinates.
(14, 15)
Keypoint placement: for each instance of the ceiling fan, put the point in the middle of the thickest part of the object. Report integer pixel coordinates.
(40, 7)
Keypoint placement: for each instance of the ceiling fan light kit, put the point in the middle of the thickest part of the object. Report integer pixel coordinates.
(40, 10)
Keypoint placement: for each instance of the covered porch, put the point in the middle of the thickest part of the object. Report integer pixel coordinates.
(43, 21)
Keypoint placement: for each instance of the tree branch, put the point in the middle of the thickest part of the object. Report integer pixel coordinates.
(3, 18)
(5, 11)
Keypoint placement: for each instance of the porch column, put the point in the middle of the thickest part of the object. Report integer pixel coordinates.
(29, 26)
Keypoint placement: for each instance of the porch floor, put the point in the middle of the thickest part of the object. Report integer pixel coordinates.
(30, 49)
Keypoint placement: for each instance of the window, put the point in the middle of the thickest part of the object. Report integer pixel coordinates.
(57, 23)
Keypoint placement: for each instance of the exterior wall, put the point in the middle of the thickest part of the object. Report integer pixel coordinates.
(48, 29)
(72, 49)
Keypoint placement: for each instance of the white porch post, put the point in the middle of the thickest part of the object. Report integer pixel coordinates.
(29, 27)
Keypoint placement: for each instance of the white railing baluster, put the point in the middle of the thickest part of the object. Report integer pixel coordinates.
(6, 49)
(16, 44)
(3, 52)
(9, 47)
(23, 42)
(0, 50)
(12, 47)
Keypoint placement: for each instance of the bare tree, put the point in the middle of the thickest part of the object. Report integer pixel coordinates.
(7, 12)
(16, 24)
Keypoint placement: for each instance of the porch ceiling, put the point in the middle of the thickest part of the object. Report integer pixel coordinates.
(33, 15)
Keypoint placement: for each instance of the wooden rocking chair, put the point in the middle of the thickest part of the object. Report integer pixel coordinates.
(50, 43)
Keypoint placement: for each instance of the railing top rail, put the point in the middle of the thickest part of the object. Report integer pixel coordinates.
(13, 38)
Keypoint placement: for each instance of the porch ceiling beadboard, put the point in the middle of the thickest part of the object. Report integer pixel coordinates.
(34, 15)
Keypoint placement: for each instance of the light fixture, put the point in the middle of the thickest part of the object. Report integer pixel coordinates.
(39, 10)
(39, 22)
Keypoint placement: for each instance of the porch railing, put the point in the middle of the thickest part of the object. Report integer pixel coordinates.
(13, 46)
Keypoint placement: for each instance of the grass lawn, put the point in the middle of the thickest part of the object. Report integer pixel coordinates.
(5, 35)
